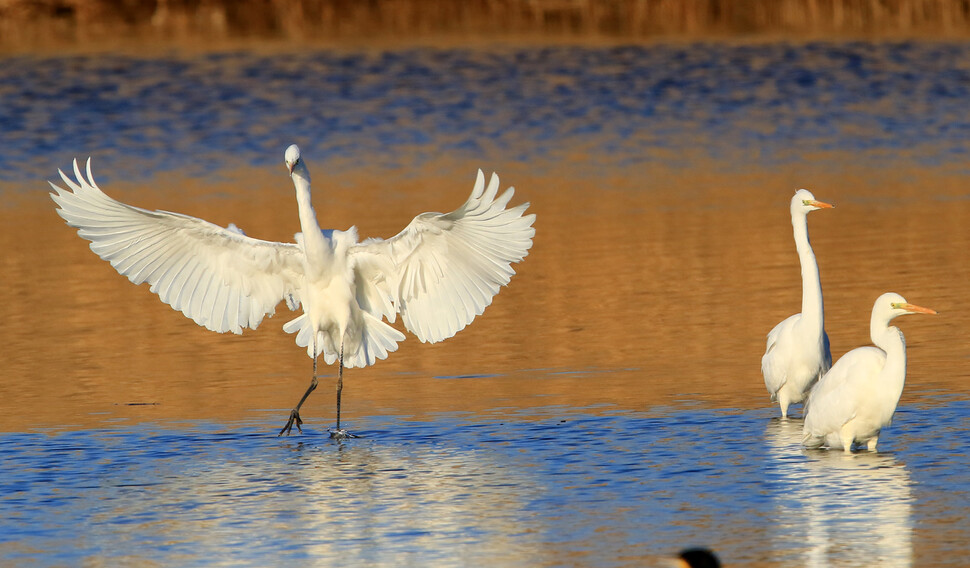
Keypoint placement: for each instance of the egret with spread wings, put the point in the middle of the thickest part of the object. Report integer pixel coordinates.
(439, 273)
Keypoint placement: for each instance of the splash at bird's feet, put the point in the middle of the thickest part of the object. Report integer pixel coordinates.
(294, 419)
(341, 434)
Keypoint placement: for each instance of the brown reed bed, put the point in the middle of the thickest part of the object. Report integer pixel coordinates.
(59, 22)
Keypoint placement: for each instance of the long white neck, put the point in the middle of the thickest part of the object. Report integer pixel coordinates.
(812, 310)
(314, 242)
(893, 376)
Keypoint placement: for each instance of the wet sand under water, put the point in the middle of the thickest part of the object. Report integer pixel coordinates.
(649, 287)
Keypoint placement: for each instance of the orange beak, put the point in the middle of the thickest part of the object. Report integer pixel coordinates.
(820, 204)
(914, 309)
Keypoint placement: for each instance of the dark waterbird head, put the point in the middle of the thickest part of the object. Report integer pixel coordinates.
(698, 558)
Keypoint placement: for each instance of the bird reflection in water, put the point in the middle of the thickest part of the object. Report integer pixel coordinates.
(852, 508)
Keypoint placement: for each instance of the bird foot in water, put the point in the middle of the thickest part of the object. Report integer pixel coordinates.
(341, 434)
(294, 419)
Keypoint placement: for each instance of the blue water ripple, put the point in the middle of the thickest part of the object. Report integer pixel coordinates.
(142, 115)
(545, 483)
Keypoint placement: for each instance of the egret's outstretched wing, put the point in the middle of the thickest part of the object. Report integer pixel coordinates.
(219, 277)
(834, 400)
(442, 270)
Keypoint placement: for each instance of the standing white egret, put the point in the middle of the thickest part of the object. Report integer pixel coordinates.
(439, 273)
(857, 397)
(798, 348)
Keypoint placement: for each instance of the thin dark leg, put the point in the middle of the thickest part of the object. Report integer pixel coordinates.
(340, 382)
(338, 433)
(295, 413)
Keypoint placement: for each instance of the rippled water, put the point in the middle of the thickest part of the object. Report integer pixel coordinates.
(606, 410)
(619, 105)
(557, 486)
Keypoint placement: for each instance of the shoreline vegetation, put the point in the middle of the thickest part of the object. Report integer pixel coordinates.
(52, 24)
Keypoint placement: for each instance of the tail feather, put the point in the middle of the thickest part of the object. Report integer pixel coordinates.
(812, 441)
(301, 326)
(377, 340)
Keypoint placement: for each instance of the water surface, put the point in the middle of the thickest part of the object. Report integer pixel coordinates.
(535, 107)
(556, 486)
(606, 410)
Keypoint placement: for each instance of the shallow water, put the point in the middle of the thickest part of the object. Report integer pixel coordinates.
(549, 487)
(543, 487)
(606, 410)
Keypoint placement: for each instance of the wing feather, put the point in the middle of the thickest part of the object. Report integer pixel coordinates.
(772, 369)
(834, 399)
(199, 287)
(218, 277)
(443, 270)
(183, 293)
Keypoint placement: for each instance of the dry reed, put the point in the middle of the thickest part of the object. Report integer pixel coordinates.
(52, 22)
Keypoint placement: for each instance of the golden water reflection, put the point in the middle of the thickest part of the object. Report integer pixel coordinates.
(643, 288)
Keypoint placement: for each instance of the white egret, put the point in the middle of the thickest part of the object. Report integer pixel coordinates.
(857, 397)
(797, 352)
(439, 273)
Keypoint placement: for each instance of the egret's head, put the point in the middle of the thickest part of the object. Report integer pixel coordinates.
(292, 157)
(893, 305)
(804, 202)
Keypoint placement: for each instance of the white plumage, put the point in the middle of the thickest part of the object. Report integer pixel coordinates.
(797, 350)
(857, 397)
(439, 273)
